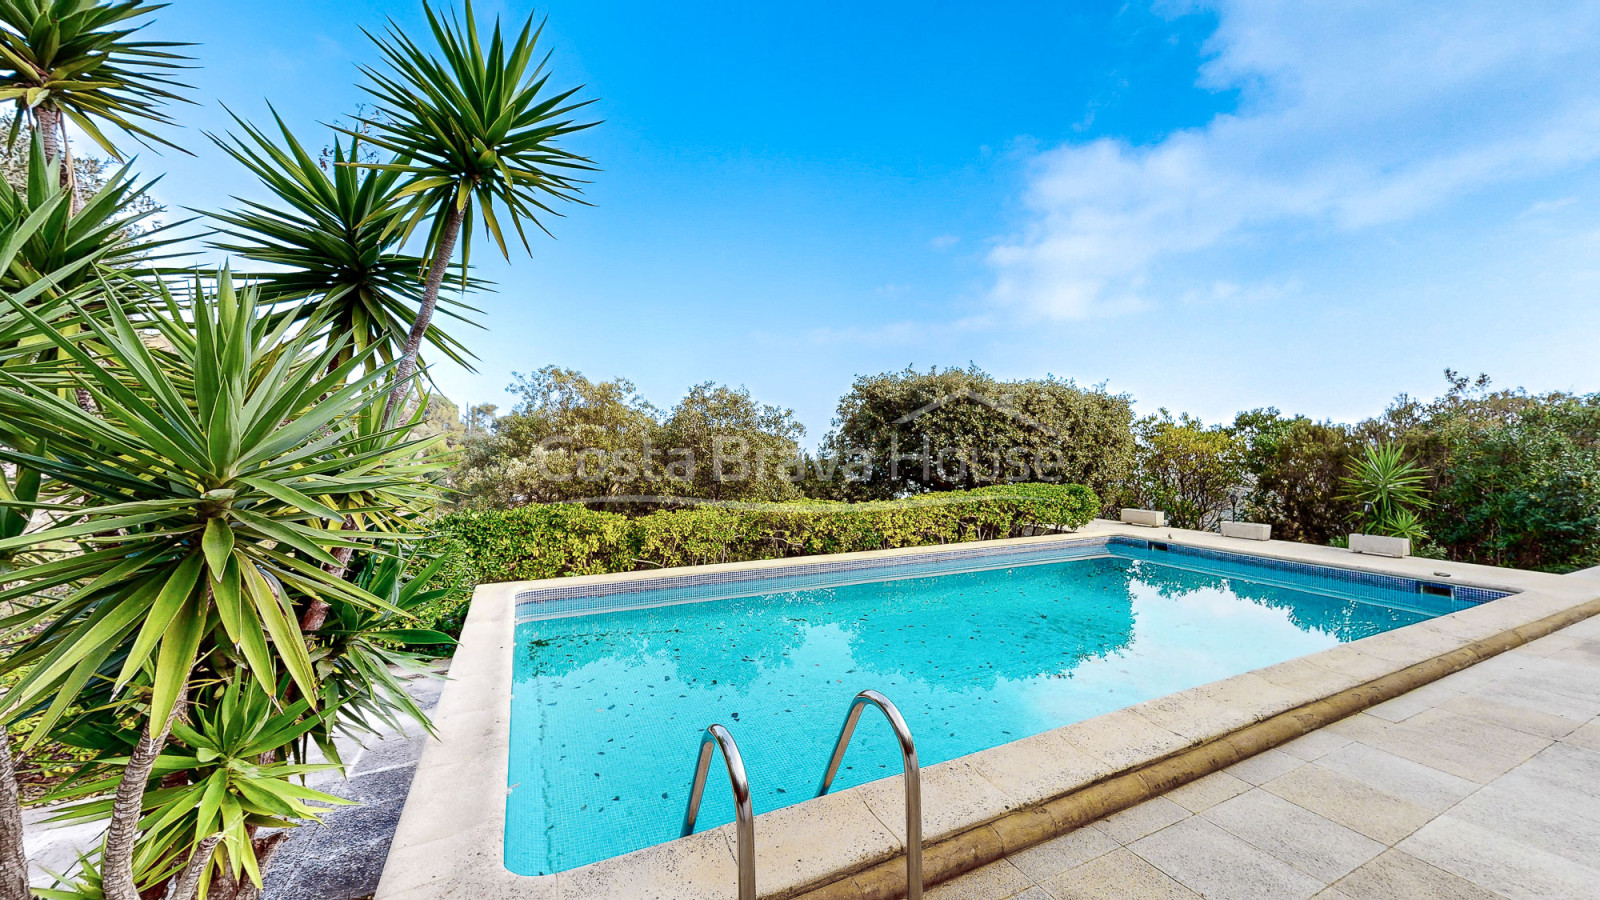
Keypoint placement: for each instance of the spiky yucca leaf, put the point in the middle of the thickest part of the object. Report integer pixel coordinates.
(234, 782)
(18, 335)
(70, 250)
(361, 648)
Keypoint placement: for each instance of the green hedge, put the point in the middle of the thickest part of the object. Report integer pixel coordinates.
(552, 541)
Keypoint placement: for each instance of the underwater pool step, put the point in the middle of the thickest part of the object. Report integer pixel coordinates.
(717, 736)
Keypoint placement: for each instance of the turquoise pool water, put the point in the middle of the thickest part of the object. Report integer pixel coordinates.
(608, 708)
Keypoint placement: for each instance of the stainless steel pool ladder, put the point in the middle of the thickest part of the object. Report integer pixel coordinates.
(908, 753)
(717, 736)
(746, 830)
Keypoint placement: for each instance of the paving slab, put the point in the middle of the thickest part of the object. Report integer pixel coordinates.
(1518, 717)
(1396, 874)
(1119, 875)
(1208, 859)
(1412, 781)
(1360, 807)
(1587, 737)
(1043, 861)
(1315, 845)
(1203, 793)
(1265, 766)
(1147, 818)
(1492, 861)
(1315, 745)
(1001, 879)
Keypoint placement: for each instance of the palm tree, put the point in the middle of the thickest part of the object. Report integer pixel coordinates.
(81, 61)
(329, 239)
(471, 129)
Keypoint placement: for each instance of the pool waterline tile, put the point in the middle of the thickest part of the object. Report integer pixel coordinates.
(560, 601)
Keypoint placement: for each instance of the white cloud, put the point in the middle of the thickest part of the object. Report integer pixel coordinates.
(1353, 116)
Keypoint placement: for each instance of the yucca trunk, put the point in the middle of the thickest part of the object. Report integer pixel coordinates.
(116, 868)
(187, 885)
(316, 614)
(69, 172)
(52, 126)
(430, 299)
(13, 857)
(48, 123)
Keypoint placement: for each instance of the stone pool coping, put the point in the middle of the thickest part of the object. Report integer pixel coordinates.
(976, 808)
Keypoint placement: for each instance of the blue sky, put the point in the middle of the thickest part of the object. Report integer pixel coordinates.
(1211, 206)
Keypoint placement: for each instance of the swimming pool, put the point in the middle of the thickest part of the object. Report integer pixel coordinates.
(613, 684)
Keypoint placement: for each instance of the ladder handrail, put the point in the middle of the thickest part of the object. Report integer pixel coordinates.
(719, 736)
(913, 779)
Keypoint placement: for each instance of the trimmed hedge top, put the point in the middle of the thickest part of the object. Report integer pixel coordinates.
(551, 541)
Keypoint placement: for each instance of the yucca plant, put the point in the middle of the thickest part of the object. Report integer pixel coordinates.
(1400, 523)
(472, 129)
(233, 779)
(70, 250)
(83, 61)
(196, 503)
(1388, 489)
(327, 234)
(20, 492)
(18, 336)
(361, 648)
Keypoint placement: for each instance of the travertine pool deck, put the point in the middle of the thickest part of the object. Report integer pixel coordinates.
(1006, 802)
(1484, 784)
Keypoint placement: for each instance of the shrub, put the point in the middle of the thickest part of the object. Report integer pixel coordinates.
(1515, 475)
(1293, 468)
(558, 540)
(1186, 469)
(947, 429)
(572, 439)
(546, 541)
(1523, 491)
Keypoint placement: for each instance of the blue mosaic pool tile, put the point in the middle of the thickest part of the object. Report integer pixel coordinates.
(1376, 586)
(567, 600)
(554, 602)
